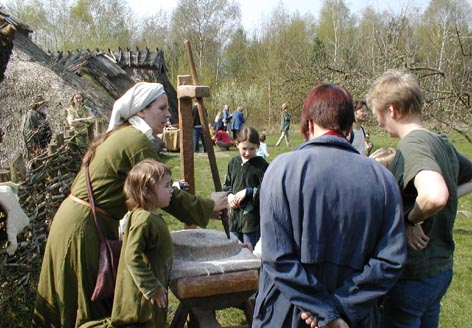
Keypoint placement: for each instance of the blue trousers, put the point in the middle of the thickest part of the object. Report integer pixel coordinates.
(416, 303)
(197, 136)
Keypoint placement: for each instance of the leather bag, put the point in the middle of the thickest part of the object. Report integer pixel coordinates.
(109, 255)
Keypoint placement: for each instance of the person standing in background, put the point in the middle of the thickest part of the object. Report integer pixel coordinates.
(284, 126)
(79, 117)
(36, 129)
(226, 117)
(197, 129)
(238, 121)
(358, 135)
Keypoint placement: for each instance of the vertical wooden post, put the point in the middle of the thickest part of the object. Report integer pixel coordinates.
(186, 134)
(18, 169)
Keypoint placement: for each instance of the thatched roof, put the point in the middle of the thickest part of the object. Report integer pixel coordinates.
(29, 73)
(117, 71)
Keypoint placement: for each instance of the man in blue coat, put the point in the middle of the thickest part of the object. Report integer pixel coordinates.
(237, 122)
(332, 234)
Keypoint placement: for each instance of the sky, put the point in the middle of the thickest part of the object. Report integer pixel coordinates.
(253, 10)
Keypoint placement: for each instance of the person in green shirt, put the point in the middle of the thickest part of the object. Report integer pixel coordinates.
(70, 263)
(79, 117)
(431, 175)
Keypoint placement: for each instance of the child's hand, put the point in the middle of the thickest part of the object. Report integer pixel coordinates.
(159, 299)
(239, 197)
(232, 201)
(248, 246)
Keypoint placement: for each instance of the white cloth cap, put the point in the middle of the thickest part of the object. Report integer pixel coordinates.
(135, 99)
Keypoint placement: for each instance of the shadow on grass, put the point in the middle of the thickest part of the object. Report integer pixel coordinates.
(462, 232)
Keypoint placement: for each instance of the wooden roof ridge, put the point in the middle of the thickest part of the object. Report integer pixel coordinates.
(141, 59)
(125, 58)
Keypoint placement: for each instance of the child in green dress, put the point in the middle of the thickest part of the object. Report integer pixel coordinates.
(146, 256)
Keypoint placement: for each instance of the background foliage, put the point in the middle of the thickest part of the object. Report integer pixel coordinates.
(286, 55)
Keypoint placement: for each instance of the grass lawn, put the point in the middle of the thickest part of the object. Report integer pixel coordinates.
(457, 304)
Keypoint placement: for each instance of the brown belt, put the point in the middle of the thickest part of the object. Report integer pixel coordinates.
(83, 202)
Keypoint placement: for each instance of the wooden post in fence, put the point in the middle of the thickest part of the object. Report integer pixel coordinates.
(18, 169)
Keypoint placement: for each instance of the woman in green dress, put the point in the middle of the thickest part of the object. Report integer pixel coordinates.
(70, 263)
(79, 117)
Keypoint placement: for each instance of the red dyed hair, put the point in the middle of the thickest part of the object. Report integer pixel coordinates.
(329, 106)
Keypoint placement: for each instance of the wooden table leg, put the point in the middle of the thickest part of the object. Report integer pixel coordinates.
(248, 308)
(180, 316)
(202, 319)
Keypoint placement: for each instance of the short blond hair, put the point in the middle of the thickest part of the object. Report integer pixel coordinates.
(384, 155)
(141, 183)
(397, 88)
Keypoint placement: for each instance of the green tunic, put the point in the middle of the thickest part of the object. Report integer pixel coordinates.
(80, 128)
(145, 264)
(70, 262)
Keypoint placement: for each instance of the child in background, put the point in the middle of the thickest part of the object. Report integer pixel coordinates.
(262, 151)
(147, 251)
(243, 180)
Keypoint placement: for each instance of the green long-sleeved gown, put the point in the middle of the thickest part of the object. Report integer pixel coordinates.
(70, 261)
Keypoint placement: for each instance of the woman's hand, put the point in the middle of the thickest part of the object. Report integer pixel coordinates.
(220, 199)
(159, 299)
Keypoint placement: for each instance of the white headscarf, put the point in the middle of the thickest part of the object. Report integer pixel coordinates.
(135, 99)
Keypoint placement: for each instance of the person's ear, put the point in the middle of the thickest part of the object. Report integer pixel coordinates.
(140, 113)
(310, 126)
(393, 112)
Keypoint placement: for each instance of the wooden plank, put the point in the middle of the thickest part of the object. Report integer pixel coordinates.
(204, 286)
(193, 91)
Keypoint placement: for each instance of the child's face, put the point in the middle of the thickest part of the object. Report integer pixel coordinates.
(247, 150)
(164, 191)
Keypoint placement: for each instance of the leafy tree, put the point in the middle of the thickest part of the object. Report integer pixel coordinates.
(208, 25)
(335, 28)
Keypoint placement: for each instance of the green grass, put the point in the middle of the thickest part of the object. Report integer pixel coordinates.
(456, 306)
